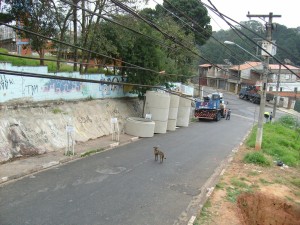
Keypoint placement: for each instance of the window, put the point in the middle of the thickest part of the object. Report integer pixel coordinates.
(295, 90)
(287, 76)
(271, 89)
(281, 89)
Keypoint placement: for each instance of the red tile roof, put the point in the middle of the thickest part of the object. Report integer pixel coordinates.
(245, 66)
(205, 65)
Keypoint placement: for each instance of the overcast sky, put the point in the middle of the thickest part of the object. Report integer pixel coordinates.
(238, 10)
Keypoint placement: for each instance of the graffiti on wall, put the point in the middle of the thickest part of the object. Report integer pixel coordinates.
(40, 89)
(62, 86)
(5, 82)
(31, 89)
(108, 89)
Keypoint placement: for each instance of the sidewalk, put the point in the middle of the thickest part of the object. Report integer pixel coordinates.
(24, 166)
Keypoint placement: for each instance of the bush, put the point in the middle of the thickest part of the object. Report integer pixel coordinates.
(256, 158)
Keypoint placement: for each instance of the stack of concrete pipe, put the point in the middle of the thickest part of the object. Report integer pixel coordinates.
(184, 111)
(173, 111)
(157, 104)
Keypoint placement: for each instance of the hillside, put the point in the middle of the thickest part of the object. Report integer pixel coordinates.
(287, 40)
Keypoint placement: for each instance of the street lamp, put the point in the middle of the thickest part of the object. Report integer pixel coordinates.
(232, 43)
(262, 97)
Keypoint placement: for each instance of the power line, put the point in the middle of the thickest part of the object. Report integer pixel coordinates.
(54, 77)
(222, 16)
(170, 37)
(83, 63)
(118, 24)
(195, 23)
(83, 49)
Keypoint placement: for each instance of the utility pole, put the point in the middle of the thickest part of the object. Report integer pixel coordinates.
(276, 94)
(269, 27)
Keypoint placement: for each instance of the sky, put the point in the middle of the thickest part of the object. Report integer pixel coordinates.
(238, 10)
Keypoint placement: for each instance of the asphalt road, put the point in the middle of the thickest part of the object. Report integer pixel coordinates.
(125, 186)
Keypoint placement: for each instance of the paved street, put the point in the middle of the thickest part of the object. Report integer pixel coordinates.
(125, 185)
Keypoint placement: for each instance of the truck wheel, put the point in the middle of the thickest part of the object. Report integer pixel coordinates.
(242, 96)
(218, 116)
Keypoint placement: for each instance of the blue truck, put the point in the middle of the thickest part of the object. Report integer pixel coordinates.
(212, 107)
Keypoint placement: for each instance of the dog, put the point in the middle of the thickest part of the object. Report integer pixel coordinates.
(159, 153)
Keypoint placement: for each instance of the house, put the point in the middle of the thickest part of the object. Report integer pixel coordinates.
(233, 78)
(242, 75)
(228, 77)
(213, 76)
(13, 43)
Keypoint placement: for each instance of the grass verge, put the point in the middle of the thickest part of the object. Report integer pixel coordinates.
(91, 152)
(280, 142)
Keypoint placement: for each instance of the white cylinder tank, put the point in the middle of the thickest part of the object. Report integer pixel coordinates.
(157, 104)
(173, 111)
(139, 127)
(184, 110)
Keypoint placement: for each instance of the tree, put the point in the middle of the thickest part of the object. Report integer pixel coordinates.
(145, 52)
(62, 14)
(6, 18)
(36, 16)
(287, 39)
(194, 15)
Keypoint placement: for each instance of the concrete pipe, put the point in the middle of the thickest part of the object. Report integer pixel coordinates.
(139, 127)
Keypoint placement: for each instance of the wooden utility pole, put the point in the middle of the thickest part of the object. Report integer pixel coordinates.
(269, 28)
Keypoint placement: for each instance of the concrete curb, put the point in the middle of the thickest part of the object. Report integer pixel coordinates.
(207, 189)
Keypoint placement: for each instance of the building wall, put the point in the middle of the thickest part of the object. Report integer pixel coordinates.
(22, 88)
(285, 87)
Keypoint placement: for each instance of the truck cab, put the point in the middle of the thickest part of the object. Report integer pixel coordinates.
(211, 107)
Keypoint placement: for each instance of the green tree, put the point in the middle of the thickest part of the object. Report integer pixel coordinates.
(194, 15)
(36, 16)
(144, 52)
(216, 51)
(288, 40)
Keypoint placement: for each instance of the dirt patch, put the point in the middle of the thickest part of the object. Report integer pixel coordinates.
(248, 194)
(264, 208)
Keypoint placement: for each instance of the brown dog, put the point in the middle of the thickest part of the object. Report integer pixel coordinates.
(159, 153)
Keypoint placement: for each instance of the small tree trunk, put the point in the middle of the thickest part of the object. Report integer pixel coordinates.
(75, 34)
(42, 55)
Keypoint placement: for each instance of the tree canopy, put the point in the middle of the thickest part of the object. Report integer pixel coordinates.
(145, 41)
(287, 39)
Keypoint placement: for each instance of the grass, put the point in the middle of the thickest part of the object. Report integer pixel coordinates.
(232, 194)
(220, 185)
(296, 182)
(205, 213)
(56, 111)
(91, 152)
(263, 181)
(52, 67)
(238, 183)
(253, 173)
(237, 187)
(257, 158)
(280, 141)
(280, 180)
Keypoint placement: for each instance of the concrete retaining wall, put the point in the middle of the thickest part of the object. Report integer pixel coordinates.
(35, 128)
(20, 88)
